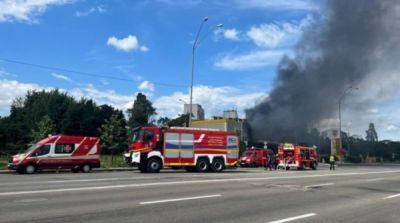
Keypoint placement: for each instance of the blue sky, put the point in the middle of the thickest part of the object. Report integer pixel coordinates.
(149, 43)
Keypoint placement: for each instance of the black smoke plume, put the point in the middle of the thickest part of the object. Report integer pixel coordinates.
(343, 48)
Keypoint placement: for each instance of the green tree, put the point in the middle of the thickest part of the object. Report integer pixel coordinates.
(113, 136)
(43, 128)
(141, 112)
(372, 136)
(180, 121)
(163, 121)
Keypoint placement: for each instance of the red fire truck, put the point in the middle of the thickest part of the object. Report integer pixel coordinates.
(59, 152)
(194, 149)
(255, 157)
(293, 156)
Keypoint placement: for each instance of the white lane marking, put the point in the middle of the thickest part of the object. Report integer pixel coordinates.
(392, 196)
(180, 199)
(319, 185)
(101, 179)
(375, 179)
(294, 218)
(30, 200)
(76, 180)
(185, 182)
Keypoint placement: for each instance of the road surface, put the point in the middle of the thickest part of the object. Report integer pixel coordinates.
(349, 194)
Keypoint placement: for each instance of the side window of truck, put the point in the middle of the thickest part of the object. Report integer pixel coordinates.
(43, 150)
(62, 148)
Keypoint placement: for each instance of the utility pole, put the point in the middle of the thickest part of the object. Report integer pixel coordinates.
(347, 91)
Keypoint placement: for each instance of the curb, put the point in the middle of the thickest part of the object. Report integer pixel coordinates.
(93, 170)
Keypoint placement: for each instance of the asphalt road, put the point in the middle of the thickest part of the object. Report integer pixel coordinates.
(349, 194)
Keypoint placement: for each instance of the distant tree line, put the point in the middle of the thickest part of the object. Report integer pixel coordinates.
(40, 113)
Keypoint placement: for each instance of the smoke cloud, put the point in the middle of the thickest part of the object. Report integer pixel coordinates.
(354, 43)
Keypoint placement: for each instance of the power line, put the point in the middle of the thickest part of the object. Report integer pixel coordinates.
(82, 73)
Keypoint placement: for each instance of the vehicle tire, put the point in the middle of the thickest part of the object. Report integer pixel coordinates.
(75, 169)
(86, 168)
(154, 165)
(217, 165)
(202, 165)
(29, 169)
(190, 168)
(313, 166)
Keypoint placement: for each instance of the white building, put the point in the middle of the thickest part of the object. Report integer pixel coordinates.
(197, 111)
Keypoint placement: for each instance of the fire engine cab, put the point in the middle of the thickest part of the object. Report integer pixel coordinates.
(59, 152)
(255, 157)
(293, 156)
(194, 149)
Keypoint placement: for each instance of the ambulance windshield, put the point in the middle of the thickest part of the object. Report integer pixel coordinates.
(32, 147)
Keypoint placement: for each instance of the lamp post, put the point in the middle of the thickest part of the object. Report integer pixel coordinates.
(195, 44)
(346, 92)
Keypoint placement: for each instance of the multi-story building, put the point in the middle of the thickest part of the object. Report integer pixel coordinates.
(197, 111)
(225, 123)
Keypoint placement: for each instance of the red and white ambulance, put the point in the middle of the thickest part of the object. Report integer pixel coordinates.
(194, 149)
(59, 152)
(294, 156)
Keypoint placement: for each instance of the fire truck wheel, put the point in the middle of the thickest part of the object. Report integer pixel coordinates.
(217, 165)
(153, 165)
(202, 165)
(29, 169)
(86, 168)
(314, 166)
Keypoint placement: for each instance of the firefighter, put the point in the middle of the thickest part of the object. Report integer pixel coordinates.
(332, 160)
(270, 162)
(267, 161)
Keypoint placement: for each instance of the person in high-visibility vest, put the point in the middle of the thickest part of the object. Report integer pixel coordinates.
(332, 160)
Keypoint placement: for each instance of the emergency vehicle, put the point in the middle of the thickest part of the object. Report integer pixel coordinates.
(294, 156)
(255, 157)
(59, 152)
(194, 149)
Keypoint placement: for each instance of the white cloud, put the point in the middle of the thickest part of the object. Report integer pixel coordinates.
(251, 60)
(146, 86)
(26, 10)
(213, 99)
(144, 48)
(11, 89)
(126, 44)
(109, 97)
(231, 34)
(5, 74)
(278, 5)
(392, 127)
(60, 77)
(279, 34)
(97, 9)
(272, 40)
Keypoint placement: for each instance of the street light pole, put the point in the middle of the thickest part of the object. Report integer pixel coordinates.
(192, 73)
(195, 44)
(347, 91)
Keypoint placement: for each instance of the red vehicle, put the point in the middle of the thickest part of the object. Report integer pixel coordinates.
(59, 152)
(191, 148)
(293, 156)
(255, 157)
